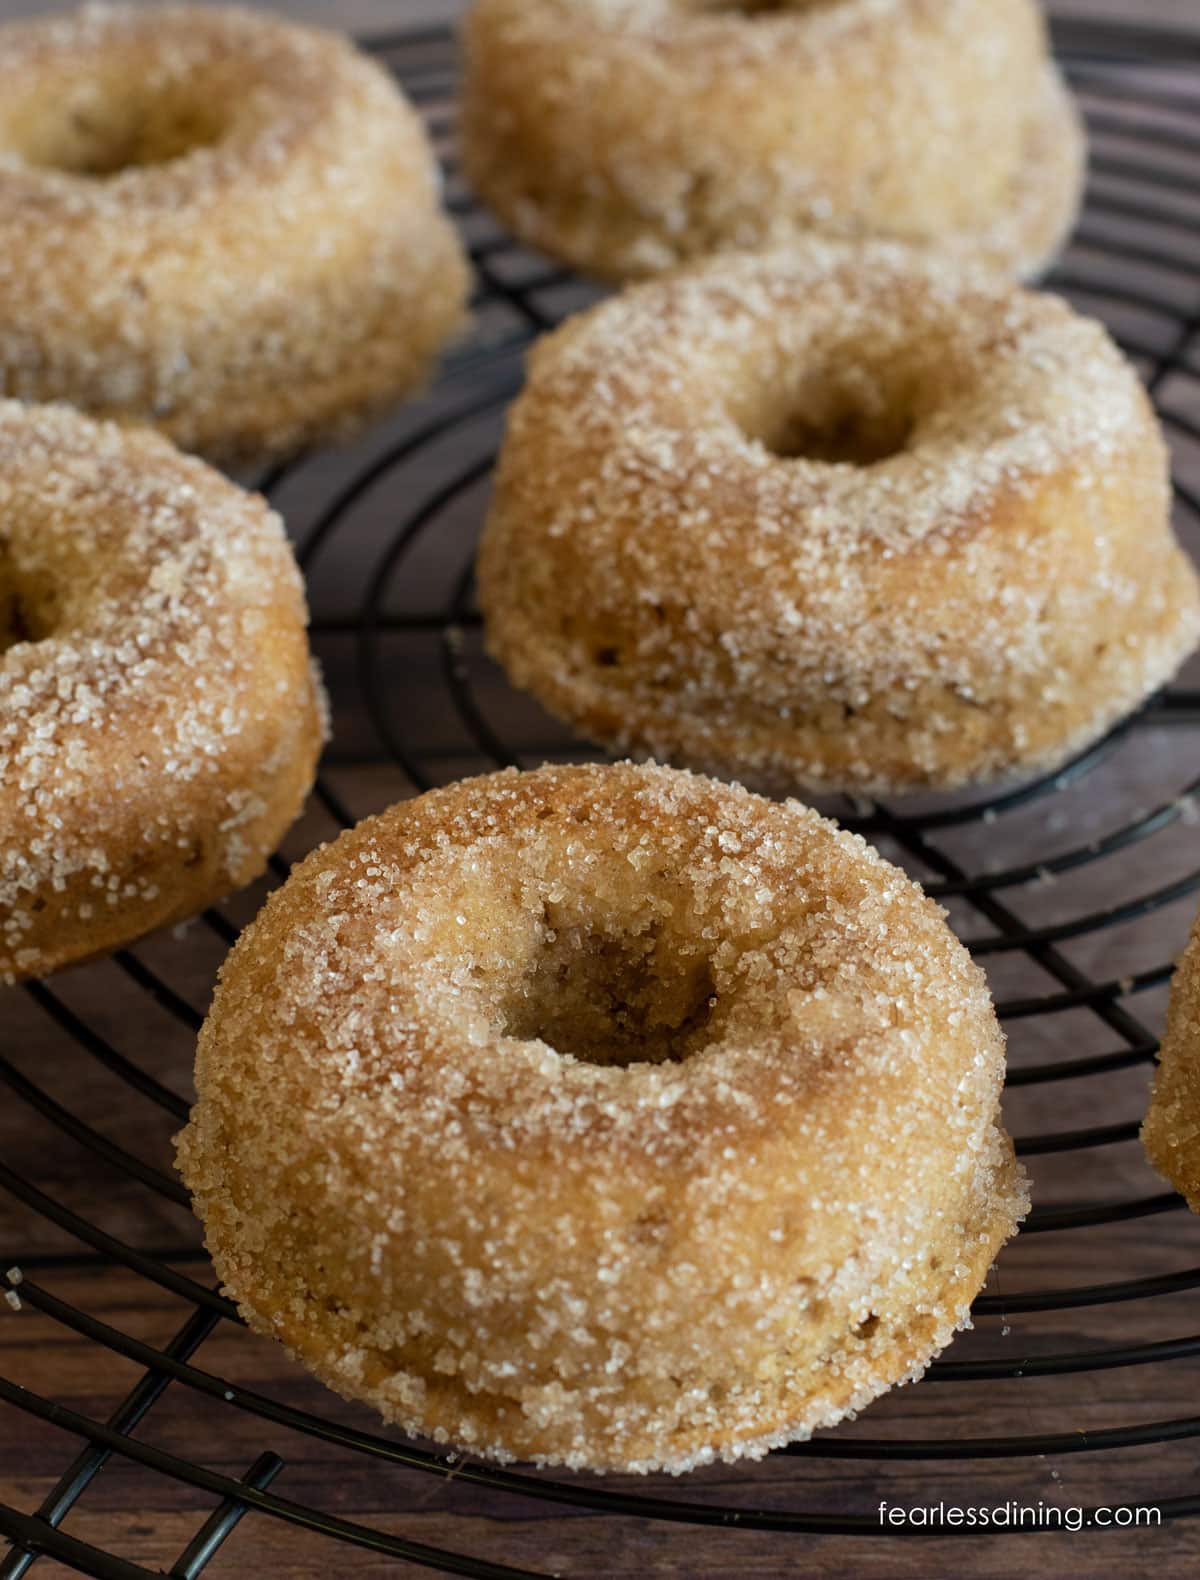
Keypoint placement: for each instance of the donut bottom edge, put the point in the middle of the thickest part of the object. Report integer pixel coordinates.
(165, 885)
(897, 1349)
(785, 764)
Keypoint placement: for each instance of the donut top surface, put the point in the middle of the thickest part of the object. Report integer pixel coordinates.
(137, 586)
(724, 34)
(636, 954)
(158, 110)
(839, 399)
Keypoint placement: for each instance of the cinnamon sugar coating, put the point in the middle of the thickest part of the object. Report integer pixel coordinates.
(627, 136)
(851, 517)
(1171, 1132)
(160, 719)
(215, 221)
(605, 1116)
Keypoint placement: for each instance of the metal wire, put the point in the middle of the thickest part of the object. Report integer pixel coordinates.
(1135, 259)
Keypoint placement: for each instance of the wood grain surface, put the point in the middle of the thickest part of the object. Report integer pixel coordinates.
(147, 1517)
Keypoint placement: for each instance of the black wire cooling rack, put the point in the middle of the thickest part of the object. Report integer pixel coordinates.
(1079, 1381)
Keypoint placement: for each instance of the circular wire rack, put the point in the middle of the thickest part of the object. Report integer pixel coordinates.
(1074, 890)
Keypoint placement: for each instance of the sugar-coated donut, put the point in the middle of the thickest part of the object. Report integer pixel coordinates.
(850, 517)
(215, 221)
(604, 1116)
(1171, 1132)
(159, 716)
(626, 136)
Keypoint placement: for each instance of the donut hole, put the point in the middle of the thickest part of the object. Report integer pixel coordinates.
(103, 133)
(612, 997)
(754, 9)
(837, 403)
(846, 437)
(28, 611)
(838, 421)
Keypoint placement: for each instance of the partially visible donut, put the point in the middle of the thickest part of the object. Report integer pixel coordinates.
(215, 221)
(159, 716)
(626, 136)
(604, 1116)
(1171, 1132)
(847, 517)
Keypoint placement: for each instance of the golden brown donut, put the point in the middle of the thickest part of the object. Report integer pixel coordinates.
(1171, 1132)
(850, 518)
(159, 716)
(605, 1116)
(215, 221)
(626, 136)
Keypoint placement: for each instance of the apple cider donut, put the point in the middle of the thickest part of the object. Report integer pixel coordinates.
(215, 221)
(605, 1116)
(1171, 1133)
(850, 517)
(626, 136)
(159, 716)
